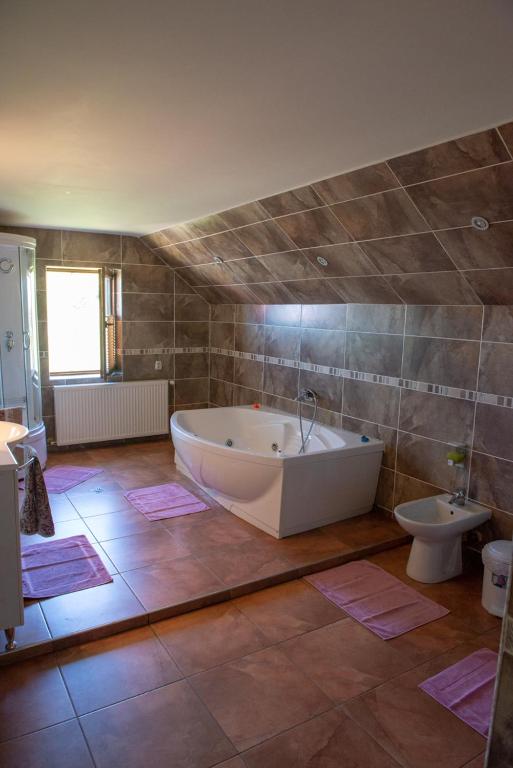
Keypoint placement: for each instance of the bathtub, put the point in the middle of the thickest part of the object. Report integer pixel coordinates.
(248, 460)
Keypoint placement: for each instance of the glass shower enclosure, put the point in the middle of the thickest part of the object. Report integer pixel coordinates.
(20, 378)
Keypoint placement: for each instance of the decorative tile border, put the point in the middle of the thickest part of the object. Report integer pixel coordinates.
(164, 351)
(374, 378)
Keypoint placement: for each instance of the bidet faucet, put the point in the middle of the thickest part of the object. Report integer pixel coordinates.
(458, 497)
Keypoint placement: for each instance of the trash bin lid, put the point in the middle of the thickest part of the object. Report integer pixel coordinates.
(500, 551)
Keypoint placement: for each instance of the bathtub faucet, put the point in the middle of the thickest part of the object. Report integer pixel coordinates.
(306, 396)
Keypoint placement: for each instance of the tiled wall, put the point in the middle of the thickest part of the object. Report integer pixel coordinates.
(395, 232)
(152, 298)
(420, 378)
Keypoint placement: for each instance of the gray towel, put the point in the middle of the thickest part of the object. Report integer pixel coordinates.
(36, 515)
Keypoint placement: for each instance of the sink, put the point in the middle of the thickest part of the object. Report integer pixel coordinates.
(10, 433)
(437, 527)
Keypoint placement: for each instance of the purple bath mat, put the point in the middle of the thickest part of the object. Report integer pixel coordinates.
(158, 502)
(466, 689)
(61, 566)
(376, 599)
(61, 479)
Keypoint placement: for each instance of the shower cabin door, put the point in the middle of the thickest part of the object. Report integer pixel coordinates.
(12, 354)
(29, 335)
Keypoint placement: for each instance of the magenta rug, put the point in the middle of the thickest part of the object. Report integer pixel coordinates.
(158, 502)
(61, 566)
(466, 689)
(61, 479)
(376, 599)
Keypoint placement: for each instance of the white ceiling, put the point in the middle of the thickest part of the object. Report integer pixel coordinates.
(123, 115)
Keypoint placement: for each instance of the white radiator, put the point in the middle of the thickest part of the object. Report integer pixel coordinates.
(90, 413)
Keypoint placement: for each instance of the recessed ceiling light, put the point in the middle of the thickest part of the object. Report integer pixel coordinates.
(322, 261)
(479, 222)
(218, 260)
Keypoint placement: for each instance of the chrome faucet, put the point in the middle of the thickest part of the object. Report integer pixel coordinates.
(458, 497)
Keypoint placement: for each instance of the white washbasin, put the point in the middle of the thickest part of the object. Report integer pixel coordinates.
(10, 433)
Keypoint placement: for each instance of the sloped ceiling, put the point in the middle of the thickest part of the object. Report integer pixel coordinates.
(400, 231)
(128, 116)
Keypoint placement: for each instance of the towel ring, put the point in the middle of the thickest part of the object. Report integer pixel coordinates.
(29, 461)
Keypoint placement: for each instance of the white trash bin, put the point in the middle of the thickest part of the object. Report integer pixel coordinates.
(497, 557)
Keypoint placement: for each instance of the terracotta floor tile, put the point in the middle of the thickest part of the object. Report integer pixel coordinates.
(462, 596)
(109, 565)
(145, 548)
(331, 739)
(107, 671)
(250, 560)
(432, 639)
(288, 610)
(366, 529)
(62, 531)
(308, 547)
(60, 746)
(139, 478)
(209, 637)
(171, 582)
(118, 524)
(477, 762)
(204, 532)
(62, 508)
(345, 659)
(259, 696)
(412, 726)
(166, 727)
(89, 608)
(91, 504)
(33, 696)
(235, 762)
(99, 484)
(33, 631)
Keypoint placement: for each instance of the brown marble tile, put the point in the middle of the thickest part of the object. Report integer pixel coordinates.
(374, 528)
(331, 739)
(193, 252)
(501, 746)
(478, 762)
(312, 291)
(328, 389)
(426, 460)
(506, 131)
(293, 201)
(235, 762)
(452, 201)
(209, 637)
(128, 732)
(470, 248)
(249, 338)
(493, 430)
(465, 154)
(291, 265)
(288, 610)
(250, 213)
(253, 270)
(33, 697)
(148, 335)
(245, 396)
(222, 313)
(191, 307)
(181, 286)
(364, 181)
(236, 564)
(172, 582)
(57, 747)
(344, 260)
(250, 313)
(409, 253)
(135, 251)
(266, 237)
(148, 306)
(386, 434)
(117, 524)
(435, 288)
(271, 293)
(226, 246)
(447, 322)
(155, 240)
(221, 393)
(33, 631)
(106, 671)
(371, 402)
(402, 718)
(323, 347)
(204, 533)
(246, 696)
(248, 373)
(366, 662)
(282, 341)
(91, 246)
(328, 316)
(365, 290)
(378, 318)
(208, 225)
(381, 215)
(177, 233)
(492, 286)
(385, 489)
(222, 335)
(141, 278)
(192, 334)
(62, 508)
(172, 257)
(80, 611)
(281, 380)
(490, 481)
(210, 274)
(91, 504)
(441, 361)
(238, 294)
(440, 418)
(191, 365)
(277, 314)
(410, 489)
(312, 228)
(62, 531)
(221, 367)
(496, 369)
(374, 353)
(144, 548)
(498, 324)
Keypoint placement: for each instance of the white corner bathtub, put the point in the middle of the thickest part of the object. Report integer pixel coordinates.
(248, 460)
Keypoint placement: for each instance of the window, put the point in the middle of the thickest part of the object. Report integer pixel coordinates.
(82, 321)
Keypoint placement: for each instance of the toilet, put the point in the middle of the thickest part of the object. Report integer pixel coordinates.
(437, 526)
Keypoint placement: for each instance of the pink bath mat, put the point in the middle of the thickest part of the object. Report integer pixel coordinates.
(158, 502)
(61, 479)
(376, 599)
(61, 566)
(466, 689)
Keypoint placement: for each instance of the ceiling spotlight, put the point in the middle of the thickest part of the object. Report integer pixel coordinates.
(479, 222)
(218, 260)
(322, 261)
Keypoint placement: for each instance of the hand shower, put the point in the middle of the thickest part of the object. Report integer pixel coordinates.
(306, 396)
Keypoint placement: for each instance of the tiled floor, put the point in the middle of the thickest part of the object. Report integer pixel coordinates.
(162, 568)
(280, 678)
